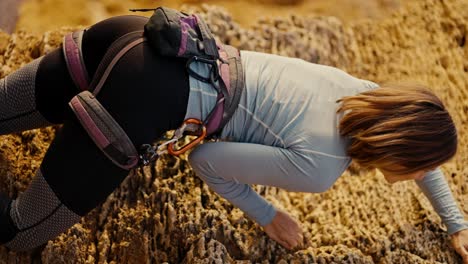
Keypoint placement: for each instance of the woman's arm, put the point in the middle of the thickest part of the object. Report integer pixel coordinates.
(436, 189)
(228, 168)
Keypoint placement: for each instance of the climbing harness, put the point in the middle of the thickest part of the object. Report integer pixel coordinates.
(170, 33)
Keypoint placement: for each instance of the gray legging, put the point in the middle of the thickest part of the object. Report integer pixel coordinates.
(55, 200)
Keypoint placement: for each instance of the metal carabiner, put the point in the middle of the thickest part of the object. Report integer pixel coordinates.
(191, 144)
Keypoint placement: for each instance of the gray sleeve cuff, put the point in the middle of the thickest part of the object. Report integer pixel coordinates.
(267, 216)
(252, 204)
(436, 189)
(457, 226)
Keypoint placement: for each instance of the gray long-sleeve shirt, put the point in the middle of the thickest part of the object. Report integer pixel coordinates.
(284, 134)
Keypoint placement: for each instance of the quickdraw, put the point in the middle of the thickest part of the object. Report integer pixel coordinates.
(194, 127)
(190, 127)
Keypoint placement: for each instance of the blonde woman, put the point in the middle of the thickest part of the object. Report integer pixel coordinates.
(297, 126)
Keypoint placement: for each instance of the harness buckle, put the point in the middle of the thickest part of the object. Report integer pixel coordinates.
(180, 133)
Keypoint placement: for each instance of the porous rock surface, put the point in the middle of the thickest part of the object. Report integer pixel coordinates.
(164, 213)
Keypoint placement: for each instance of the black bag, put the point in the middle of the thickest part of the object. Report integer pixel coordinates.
(174, 33)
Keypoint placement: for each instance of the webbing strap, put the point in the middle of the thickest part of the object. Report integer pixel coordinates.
(214, 118)
(99, 124)
(104, 130)
(74, 59)
(230, 90)
(236, 81)
(115, 52)
(209, 42)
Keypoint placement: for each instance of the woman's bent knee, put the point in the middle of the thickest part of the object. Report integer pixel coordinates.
(37, 216)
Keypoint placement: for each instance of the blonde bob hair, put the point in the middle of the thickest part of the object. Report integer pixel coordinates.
(400, 128)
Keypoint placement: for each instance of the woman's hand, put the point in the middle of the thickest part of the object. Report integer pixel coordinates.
(285, 230)
(460, 243)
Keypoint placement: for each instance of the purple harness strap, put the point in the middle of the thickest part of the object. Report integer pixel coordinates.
(101, 140)
(104, 130)
(100, 125)
(214, 120)
(74, 59)
(232, 78)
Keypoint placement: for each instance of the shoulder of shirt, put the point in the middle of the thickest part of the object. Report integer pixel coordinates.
(369, 84)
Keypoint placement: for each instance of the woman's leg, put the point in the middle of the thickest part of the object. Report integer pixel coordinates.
(54, 86)
(145, 93)
(37, 94)
(42, 212)
(18, 104)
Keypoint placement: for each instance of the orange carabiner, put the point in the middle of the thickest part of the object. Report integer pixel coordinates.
(191, 144)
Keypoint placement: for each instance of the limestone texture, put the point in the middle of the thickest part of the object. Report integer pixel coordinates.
(165, 214)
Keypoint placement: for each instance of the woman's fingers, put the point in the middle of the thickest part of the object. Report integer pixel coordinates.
(280, 237)
(460, 243)
(291, 230)
(285, 230)
(281, 240)
(292, 237)
(464, 253)
(287, 240)
(286, 235)
(284, 238)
